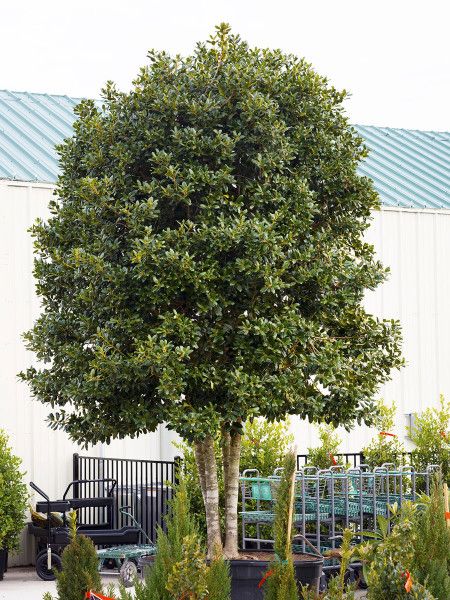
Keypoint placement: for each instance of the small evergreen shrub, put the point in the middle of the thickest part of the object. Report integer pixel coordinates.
(218, 579)
(79, 566)
(180, 569)
(13, 496)
(187, 578)
(180, 527)
(431, 563)
(281, 585)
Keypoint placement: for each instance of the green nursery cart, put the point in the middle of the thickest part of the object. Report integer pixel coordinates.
(125, 560)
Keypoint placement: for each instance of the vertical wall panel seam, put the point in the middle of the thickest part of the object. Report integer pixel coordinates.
(418, 306)
(436, 304)
(400, 297)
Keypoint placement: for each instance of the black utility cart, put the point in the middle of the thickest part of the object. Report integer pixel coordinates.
(53, 538)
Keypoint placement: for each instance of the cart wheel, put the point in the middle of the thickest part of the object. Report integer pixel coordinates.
(42, 568)
(350, 576)
(128, 572)
(323, 583)
(362, 585)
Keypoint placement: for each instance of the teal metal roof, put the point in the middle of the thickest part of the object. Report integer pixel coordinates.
(30, 126)
(410, 169)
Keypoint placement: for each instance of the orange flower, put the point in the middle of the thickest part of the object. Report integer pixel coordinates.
(409, 581)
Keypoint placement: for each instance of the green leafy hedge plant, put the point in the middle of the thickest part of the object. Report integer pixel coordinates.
(385, 446)
(431, 436)
(13, 496)
(324, 455)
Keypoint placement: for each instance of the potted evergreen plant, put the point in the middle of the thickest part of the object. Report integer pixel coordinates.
(13, 501)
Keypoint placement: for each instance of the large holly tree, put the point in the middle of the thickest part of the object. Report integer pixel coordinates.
(205, 262)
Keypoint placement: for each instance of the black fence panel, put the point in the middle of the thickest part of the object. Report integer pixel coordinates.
(354, 459)
(144, 486)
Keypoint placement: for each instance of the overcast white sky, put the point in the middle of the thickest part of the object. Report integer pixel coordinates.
(393, 56)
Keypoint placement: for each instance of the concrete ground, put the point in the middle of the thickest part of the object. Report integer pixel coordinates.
(23, 584)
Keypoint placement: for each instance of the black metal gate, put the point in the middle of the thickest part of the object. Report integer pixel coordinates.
(145, 486)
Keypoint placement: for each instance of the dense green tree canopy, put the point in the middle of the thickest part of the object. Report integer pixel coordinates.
(205, 258)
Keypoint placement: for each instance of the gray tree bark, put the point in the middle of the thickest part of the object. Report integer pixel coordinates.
(200, 461)
(231, 461)
(207, 467)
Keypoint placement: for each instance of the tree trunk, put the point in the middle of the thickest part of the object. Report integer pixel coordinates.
(225, 458)
(200, 461)
(232, 455)
(207, 467)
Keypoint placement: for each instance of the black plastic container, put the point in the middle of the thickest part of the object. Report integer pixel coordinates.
(3, 562)
(247, 574)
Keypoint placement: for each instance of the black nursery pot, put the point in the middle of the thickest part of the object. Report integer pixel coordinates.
(247, 574)
(3, 562)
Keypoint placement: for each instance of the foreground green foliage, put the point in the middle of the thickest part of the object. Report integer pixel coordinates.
(431, 435)
(180, 569)
(431, 563)
(281, 585)
(389, 568)
(79, 572)
(13, 496)
(337, 587)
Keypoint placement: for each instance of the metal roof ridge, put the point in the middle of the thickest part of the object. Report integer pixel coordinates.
(433, 131)
(43, 94)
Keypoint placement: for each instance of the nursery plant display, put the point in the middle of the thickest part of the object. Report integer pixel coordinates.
(204, 262)
(394, 562)
(13, 501)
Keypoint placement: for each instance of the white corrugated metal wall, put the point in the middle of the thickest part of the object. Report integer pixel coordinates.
(414, 243)
(47, 455)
